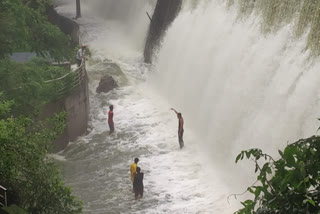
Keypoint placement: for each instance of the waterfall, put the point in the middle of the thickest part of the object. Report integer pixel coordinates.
(122, 25)
(237, 86)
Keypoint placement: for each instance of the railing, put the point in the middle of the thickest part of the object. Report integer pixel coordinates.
(80, 73)
(3, 196)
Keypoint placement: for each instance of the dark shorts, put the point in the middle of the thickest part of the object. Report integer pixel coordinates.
(111, 126)
(181, 143)
(138, 191)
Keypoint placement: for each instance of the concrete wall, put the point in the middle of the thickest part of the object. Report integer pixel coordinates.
(77, 107)
(75, 104)
(165, 12)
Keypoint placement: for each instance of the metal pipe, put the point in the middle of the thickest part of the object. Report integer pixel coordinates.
(149, 16)
(5, 199)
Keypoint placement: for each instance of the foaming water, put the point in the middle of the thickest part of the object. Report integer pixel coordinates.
(240, 88)
(97, 166)
(113, 28)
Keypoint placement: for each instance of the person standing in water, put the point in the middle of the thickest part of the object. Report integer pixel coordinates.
(110, 119)
(138, 184)
(133, 169)
(180, 128)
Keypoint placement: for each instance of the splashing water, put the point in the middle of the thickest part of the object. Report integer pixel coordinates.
(239, 87)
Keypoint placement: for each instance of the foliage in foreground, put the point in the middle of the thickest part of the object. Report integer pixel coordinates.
(13, 209)
(26, 84)
(31, 177)
(24, 26)
(288, 185)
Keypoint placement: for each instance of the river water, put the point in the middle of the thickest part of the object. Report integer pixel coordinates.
(236, 88)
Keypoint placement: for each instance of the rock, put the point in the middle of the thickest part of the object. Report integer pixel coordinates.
(106, 84)
(164, 14)
(66, 25)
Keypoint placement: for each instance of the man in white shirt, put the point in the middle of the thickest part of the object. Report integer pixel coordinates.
(81, 54)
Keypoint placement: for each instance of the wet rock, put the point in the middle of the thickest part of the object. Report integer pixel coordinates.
(106, 84)
(164, 14)
(66, 25)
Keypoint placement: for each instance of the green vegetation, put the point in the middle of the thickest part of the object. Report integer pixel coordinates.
(31, 177)
(26, 84)
(303, 14)
(14, 209)
(24, 27)
(288, 185)
(33, 180)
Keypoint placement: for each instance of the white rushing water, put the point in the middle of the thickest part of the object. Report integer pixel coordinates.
(236, 88)
(240, 88)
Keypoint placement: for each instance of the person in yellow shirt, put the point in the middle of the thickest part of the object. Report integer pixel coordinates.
(133, 169)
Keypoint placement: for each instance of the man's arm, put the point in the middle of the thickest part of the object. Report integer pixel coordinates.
(84, 57)
(174, 110)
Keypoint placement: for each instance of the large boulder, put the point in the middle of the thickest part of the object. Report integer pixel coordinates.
(106, 84)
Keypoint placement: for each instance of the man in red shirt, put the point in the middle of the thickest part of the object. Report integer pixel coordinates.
(110, 119)
(180, 128)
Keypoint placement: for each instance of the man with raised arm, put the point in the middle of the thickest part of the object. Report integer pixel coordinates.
(180, 128)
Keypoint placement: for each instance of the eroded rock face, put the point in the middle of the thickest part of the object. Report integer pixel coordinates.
(106, 84)
(164, 14)
(66, 25)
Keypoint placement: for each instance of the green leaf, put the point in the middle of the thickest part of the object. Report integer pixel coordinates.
(257, 167)
(289, 151)
(238, 158)
(290, 160)
(268, 170)
(303, 172)
(257, 192)
(265, 168)
(250, 190)
(312, 202)
(281, 153)
(248, 153)
(288, 181)
(301, 182)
